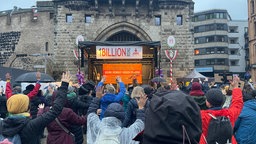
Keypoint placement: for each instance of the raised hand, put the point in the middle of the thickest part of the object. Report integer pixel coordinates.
(103, 79)
(235, 82)
(41, 106)
(7, 76)
(99, 92)
(38, 76)
(142, 101)
(66, 77)
(118, 79)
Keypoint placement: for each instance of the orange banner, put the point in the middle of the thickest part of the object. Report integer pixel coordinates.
(127, 72)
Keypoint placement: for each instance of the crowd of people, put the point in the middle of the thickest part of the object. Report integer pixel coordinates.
(101, 113)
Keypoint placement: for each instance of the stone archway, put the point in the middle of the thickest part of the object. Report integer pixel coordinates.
(123, 26)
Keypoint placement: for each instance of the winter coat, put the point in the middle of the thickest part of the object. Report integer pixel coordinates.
(3, 108)
(75, 104)
(34, 102)
(8, 90)
(130, 114)
(167, 115)
(245, 126)
(109, 98)
(87, 100)
(232, 112)
(30, 129)
(110, 126)
(56, 135)
(125, 100)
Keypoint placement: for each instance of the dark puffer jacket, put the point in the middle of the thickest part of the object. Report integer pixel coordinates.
(130, 114)
(30, 129)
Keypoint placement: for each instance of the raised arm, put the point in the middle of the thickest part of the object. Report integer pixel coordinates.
(37, 86)
(43, 120)
(122, 90)
(237, 99)
(8, 87)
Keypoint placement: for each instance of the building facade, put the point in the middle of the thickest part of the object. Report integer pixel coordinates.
(238, 38)
(252, 38)
(109, 21)
(219, 43)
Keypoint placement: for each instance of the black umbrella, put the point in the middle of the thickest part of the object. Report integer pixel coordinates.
(158, 79)
(31, 77)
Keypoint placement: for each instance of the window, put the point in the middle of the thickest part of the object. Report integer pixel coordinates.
(254, 28)
(197, 62)
(210, 39)
(69, 18)
(232, 52)
(221, 50)
(220, 62)
(210, 51)
(221, 38)
(196, 52)
(88, 19)
(46, 46)
(245, 29)
(201, 17)
(252, 6)
(179, 20)
(210, 61)
(157, 20)
(234, 62)
(51, 15)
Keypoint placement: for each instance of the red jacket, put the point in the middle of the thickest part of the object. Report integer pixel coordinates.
(232, 112)
(8, 90)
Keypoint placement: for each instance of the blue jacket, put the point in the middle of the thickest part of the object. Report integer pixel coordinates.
(110, 98)
(245, 126)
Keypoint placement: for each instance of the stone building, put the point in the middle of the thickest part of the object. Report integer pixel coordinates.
(146, 21)
(252, 38)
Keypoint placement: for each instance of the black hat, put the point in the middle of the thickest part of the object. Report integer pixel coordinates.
(115, 110)
(149, 91)
(85, 88)
(215, 97)
(30, 87)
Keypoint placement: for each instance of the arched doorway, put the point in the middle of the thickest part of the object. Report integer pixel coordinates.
(122, 34)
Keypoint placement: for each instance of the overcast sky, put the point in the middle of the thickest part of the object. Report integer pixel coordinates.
(236, 8)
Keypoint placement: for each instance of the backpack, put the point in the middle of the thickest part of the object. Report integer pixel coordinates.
(10, 140)
(219, 130)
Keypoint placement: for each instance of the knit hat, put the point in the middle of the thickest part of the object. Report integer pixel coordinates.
(115, 110)
(17, 103)
(196, 89)
(110, 89)
(215, 97)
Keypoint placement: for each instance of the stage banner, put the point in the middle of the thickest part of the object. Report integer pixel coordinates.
(127, 72)
(119, 52)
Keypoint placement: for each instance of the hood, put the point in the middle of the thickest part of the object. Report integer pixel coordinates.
(13, 124)
(251, 104)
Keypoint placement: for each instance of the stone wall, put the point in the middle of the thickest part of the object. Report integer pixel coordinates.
(139, 23)
(32, 39)
(106, 20)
